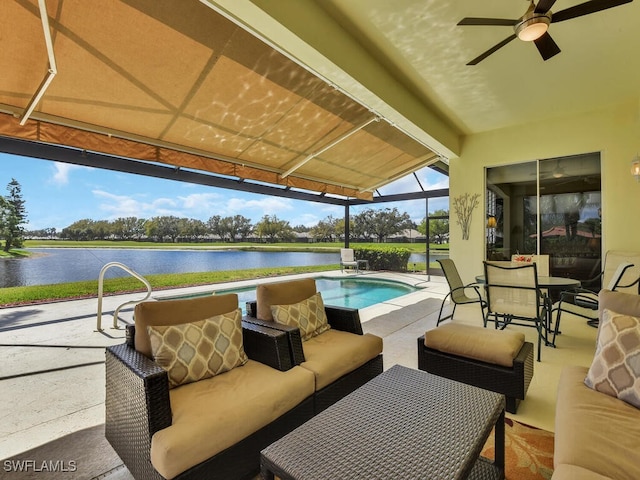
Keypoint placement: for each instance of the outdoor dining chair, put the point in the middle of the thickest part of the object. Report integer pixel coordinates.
(542, 262)
(584, 302)
(515, 298)
(458, 291)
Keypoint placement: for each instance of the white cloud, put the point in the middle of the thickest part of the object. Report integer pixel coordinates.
(200, 203)
(306, 219)
(258, 208)
(127, 206)
(62, 172)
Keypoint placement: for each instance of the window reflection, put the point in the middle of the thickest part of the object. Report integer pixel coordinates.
(550, 207)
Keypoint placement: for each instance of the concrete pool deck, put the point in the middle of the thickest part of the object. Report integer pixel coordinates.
(52, 374)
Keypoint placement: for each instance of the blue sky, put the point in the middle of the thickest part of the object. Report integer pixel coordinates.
(58, 194)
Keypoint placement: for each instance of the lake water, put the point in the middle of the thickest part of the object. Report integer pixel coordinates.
(60, 265)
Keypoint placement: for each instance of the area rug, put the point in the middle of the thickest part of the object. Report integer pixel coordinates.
(528, 452)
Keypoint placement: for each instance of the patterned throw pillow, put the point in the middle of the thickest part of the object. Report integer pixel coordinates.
(194, 351)
(308, 315)
(616, 365)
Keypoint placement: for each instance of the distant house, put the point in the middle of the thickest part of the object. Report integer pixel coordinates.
(408, 235)
(304, 237)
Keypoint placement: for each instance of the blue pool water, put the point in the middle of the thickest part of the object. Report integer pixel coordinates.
(360, 292)
(355, 292)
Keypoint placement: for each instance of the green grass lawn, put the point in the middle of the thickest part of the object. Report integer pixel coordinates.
(66, 291)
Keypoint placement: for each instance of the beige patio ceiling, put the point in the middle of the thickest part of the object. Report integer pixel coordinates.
(175, 82)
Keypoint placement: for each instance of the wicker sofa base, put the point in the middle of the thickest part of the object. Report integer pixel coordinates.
(512, 382)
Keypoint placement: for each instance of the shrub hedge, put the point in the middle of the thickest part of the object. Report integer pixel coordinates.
(384, 258)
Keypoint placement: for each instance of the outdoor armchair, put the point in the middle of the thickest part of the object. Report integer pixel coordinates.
(458, 291)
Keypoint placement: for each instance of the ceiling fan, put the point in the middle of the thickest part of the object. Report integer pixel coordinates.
(533, 25)
(556, 172)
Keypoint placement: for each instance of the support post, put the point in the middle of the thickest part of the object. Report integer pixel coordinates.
(346, 226)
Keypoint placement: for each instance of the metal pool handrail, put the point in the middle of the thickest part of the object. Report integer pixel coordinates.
(117, 310)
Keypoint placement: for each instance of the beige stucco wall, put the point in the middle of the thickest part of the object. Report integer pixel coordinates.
(614, 132)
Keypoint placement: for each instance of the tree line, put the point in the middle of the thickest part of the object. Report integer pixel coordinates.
(369, 225)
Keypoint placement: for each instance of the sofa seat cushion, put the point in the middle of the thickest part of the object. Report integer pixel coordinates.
(334, 353)
(595, 431)
(498, 347)
(214, 414)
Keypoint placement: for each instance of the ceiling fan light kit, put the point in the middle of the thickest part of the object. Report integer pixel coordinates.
(635, 167)
(533, 26)
(530, 29)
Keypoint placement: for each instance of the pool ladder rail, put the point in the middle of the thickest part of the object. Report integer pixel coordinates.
(132, 302)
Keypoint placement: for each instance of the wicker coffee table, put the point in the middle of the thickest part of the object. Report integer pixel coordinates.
(403, 424)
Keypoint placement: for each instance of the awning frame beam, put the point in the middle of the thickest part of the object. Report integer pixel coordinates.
(51, 72)
(338, 140)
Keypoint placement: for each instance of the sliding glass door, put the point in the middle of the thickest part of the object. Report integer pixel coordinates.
(550, 207)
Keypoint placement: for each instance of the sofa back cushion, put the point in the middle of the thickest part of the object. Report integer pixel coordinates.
(193, 351)
(625, 303)
(175, 312)
(282, 293)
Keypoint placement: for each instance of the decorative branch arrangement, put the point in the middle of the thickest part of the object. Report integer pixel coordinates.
(464, 205)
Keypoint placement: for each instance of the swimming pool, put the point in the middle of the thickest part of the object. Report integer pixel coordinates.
(354, 292)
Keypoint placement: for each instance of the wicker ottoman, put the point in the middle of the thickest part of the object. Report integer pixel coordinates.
(496, 360)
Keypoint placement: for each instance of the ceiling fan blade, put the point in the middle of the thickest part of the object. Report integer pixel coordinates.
(493, 49)
(487, 21)
(546, 46)
(585, 9)
(544, 6)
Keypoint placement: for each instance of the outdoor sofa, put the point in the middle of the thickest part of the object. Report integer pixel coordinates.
(597, 434)
(341, 357)
(212, 428)
(215, 427)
